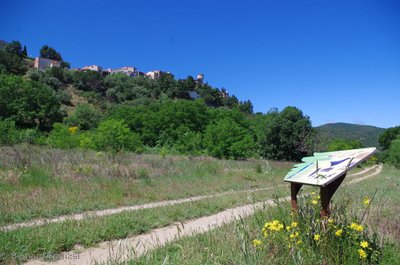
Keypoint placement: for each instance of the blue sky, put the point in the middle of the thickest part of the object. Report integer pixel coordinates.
(338, 61)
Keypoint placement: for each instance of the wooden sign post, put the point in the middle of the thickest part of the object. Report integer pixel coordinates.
(325, 170)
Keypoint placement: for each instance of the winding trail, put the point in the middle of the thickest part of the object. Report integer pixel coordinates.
(124, 249)
(111, 211)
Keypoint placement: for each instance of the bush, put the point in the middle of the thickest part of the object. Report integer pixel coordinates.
(31, 136)
(64, 97)
(8, 132)
(114, 135)
(85, 117)
(64, 137)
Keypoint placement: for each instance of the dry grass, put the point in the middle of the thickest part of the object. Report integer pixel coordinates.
(43, 182)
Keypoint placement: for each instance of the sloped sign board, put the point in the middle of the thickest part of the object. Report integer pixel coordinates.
(323, 168)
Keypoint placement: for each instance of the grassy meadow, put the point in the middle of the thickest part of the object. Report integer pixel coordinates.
(38, 182)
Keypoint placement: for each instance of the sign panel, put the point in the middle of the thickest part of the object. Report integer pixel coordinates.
(323, 168)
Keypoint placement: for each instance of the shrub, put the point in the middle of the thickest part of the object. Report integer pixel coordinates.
(8, 132)
(114, 135)
(31, 136)
(64, 137)
(85, 117)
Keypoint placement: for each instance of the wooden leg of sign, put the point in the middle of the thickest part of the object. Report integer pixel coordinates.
(294, 190)
(326, 194)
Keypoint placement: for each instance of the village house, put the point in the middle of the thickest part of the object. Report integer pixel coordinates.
(42, 63)
(127, 70)
(93, 67)
(156, 74)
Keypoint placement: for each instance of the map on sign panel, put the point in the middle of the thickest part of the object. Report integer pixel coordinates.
(323, 168)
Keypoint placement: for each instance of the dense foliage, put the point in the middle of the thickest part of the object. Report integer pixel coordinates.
(341, 144)
(29, 104)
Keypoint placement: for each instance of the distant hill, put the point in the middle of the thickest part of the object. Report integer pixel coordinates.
(368, 135)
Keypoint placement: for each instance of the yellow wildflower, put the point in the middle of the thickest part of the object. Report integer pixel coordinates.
(339, 232)
(362, 253)
(313, 193)
(73, 130)
(364, 244)
(366, 201)
(294, 224)
(299, 242)
(317, 237)
(330, 221)
(294, 235)
(257, 243)
(314, 202)
(359, 228)
(318, 197)
(288, 228)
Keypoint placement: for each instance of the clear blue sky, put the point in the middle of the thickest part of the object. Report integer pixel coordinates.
(338, 61)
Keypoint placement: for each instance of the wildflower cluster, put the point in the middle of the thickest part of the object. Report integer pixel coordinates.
(334, 239)
(73, 130)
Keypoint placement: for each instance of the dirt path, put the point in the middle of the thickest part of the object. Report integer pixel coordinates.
(100, 213)
(364, 171)
(105, 212)
(378, 170)
(122, 250)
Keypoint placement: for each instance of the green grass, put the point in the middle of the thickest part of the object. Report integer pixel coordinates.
(37, 182)
(231, 244)
(54, 238)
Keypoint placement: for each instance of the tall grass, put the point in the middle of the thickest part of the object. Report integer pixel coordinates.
(43, 182)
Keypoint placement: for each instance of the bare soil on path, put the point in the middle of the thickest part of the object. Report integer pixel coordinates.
(125, 249)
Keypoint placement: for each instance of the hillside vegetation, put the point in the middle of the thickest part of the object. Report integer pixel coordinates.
(368, 135)
(115, 112)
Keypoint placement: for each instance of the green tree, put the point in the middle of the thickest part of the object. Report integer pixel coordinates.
(121, 88)
(11, 63)
(343, 144)
(246, 107)
(15, 48)
(30, 104)
(227, 139)
(287, 135)
(85, 117)
(386, 138)
(25, 52)
(50, 53)
(89, 81)
(394, 153)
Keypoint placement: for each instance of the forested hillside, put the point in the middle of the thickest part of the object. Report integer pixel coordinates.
(366, 134)
(114, 112)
